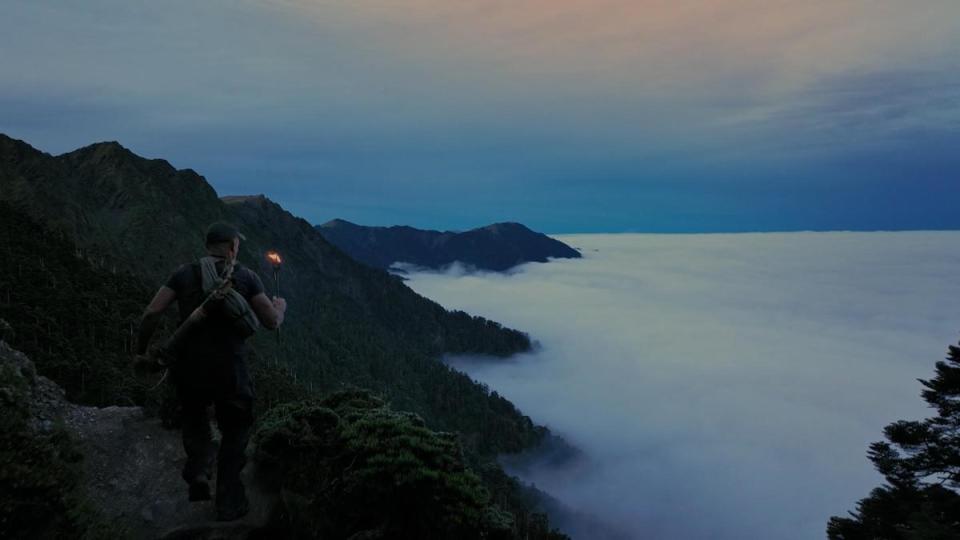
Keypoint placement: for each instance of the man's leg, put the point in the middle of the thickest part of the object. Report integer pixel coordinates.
(234, 418)
(198, 445)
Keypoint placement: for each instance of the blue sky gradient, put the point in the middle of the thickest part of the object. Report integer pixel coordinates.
(569, 116)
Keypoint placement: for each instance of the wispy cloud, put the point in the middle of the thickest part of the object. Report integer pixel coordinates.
(721, 386)
(516, 105)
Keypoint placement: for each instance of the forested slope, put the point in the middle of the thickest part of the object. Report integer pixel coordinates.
(139, 219)
(87, 237)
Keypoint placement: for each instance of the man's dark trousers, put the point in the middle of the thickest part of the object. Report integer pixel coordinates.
(234, 419)
(234, 415)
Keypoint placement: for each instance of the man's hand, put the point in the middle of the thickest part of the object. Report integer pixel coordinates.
(270, 312)
(146, 364)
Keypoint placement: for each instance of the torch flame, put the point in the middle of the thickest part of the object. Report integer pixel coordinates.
(274, 257)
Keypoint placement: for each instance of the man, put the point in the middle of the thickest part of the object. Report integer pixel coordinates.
(209, 368)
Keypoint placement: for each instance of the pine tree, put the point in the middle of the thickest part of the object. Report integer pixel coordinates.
(921, 464)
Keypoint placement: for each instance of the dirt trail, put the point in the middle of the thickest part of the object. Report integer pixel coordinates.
(132, 466)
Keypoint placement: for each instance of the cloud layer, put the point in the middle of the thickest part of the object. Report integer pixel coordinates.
(721, 386)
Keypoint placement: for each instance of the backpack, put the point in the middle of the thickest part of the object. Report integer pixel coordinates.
(233, 306)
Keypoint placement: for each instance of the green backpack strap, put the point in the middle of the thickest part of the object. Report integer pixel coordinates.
(208, 271)
(233, 306)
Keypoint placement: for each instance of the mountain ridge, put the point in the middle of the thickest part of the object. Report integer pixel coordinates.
(495, 247)
(88, 235)
(347, 322)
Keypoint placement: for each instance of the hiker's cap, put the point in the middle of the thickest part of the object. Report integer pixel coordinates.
(220, 232)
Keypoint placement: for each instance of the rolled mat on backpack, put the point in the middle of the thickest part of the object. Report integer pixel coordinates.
(222, 301)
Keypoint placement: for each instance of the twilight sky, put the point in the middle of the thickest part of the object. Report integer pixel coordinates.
(567, 115)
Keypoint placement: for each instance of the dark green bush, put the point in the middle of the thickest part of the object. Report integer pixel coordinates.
(349, 464)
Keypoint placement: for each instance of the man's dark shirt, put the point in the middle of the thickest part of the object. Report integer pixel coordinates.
(212, 360)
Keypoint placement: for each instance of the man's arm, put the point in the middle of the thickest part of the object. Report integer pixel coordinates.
(151, 316)
(270, 312)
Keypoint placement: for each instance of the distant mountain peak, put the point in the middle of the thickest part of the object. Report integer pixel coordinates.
(497, 247)
(106, 148)
(337, 222)
(114, 153)
(504, 227)
(109, 145)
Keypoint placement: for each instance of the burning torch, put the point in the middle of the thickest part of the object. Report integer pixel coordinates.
(275, 261)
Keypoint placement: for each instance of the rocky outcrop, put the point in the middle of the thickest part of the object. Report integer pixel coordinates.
(46, 403)
(131, 468)
(131, 464)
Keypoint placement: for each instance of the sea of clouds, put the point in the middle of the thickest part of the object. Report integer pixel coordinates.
(720, 386)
